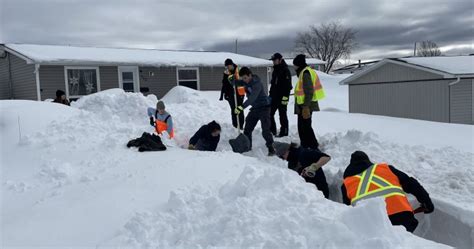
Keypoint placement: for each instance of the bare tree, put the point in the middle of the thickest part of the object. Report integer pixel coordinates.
(427, 49)
(328, 42)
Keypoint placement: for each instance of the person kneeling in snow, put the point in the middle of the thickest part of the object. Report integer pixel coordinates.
(307, 162)
(206, 138)
(364, 179)
(160, 119)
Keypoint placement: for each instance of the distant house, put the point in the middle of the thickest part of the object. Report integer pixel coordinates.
(312, 62)
(35, 72)
(353, 68)
(427, 88)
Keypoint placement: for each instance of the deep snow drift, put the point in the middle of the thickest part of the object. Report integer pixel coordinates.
(70, 180)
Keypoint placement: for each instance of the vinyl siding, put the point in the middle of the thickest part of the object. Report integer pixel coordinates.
(211, 78)
(426, 100)
(163, 80)
(23, 79)
(461, 102)
(108, 77)
(391, 72)
(51, 80)
(263, 74)
(4, 78)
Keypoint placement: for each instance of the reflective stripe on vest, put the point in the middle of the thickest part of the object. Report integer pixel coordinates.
(378, 181)
(318, 93)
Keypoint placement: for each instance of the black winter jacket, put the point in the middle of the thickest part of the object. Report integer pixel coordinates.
(203, 139)
(227, 90)
(281, 82)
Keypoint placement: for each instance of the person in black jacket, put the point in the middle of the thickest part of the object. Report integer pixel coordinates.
(307, 162)
(231, 77)
(360, 162)
(61, 98)
(206, 138)
(280, 93)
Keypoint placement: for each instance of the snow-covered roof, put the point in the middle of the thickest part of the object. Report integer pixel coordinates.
(309, 61)
(457, 65)
(75, 55)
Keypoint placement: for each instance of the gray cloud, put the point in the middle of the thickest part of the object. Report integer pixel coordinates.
(385, 28)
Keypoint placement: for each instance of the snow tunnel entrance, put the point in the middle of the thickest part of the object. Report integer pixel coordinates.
(441, 226)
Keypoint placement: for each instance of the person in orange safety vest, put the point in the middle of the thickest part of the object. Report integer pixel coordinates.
(364, 179)
(160, 119)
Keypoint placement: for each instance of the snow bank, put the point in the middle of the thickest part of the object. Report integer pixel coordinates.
(72, 181)
(252, 213)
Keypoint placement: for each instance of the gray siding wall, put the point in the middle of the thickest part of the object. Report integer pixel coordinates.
(163, 80)
(52, 79)
(393, 72)
(427, 100)
(108, 77)
(211, 77)
(23, 79)
(461, 102)
(4, 78)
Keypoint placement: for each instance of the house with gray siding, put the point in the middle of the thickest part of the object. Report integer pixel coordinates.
(35, 72)
(429, 88)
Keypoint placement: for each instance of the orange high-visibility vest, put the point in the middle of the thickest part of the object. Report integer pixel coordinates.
(235, 77)
(161, 126)
(378, 180)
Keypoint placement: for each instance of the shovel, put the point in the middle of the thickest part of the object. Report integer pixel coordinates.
(241, 143)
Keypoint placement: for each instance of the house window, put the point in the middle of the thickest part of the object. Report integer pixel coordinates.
(188, 77)
(81, 81)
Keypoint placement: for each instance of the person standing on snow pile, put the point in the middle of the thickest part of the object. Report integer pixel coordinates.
(206, 138)
(61, 98)
(260, 111)
(161, 120)
(307, 94)
(280, 93)
(364, 179)
(231, 77)
(307, 162)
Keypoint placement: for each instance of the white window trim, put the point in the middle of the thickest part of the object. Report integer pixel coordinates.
(97, 73)
(136, 76)
(189, 68)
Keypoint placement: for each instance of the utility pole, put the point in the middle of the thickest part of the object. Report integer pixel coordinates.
(414, 50)
(235, 45)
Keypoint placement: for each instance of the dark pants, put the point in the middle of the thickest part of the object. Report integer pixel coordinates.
(276, 105)
(232, 109)
(305, 130)
(406, 219)
(261, 114)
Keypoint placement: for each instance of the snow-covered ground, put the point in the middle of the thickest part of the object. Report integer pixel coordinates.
(69, 181)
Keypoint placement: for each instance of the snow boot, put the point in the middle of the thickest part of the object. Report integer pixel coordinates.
(271, 150)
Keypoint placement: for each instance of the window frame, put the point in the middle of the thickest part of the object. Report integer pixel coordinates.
(136, 76)
(189, 68)
(97, 73)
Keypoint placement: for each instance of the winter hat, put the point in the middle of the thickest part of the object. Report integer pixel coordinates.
(214, 126)
(160, 105)
(359, 156)
(281, 148)
(228, 62)
(300, 60)
(60, 93)
(276, 56)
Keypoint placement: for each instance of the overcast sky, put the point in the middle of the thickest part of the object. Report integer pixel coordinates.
(386, 28)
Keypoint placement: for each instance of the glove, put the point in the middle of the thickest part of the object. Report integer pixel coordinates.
(428, 207)
(284, 100)
(238, 110)
(310, 171)
(306, 113)
(231, 77)
(152, 122)
(191, 147)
